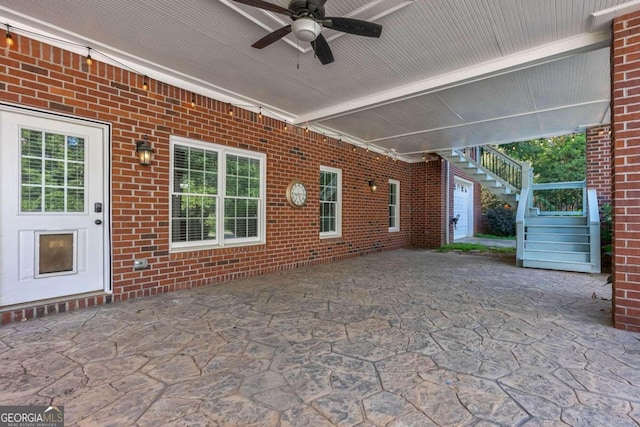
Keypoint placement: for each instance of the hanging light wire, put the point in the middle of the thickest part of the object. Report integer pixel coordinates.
(88, 60)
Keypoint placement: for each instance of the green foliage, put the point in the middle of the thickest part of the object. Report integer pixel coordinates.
(488, 200)
(557, 159)
(491, 236)
(502, 221)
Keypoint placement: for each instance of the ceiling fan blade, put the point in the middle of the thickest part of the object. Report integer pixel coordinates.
(272, 37)
(266, 6)
(353, 26)
(322, 50)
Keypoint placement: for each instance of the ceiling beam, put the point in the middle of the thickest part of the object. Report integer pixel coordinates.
(519, 61)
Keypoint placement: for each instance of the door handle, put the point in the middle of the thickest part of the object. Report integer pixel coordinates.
(98, 221)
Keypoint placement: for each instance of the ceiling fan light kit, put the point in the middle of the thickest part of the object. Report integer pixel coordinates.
(306, 29)
(308, 21)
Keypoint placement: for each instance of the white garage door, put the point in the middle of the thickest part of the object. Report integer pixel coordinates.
(463, 208)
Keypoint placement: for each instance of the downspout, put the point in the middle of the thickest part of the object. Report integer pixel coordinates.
(447, 201)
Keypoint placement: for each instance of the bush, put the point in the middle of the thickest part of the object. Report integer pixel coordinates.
(502, 221)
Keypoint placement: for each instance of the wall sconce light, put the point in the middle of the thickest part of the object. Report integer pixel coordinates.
(373, 186)
(145, 152)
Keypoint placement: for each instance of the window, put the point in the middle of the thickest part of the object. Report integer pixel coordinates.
(330, 202)
(217, 195)
(394, 205)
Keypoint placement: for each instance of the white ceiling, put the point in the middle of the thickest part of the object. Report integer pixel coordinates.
(443, 74)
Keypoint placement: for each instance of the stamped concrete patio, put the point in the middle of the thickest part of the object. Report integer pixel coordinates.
(403, 338)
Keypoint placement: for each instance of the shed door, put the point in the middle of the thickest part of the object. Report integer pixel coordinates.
(463, 208)
(52, 210)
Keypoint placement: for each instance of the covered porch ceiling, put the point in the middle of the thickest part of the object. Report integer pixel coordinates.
(443, 74)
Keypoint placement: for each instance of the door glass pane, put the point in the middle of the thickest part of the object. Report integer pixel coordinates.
(52, 175)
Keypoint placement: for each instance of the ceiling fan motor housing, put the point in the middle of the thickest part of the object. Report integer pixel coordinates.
(312, 8)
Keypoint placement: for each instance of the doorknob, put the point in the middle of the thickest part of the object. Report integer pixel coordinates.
(98, 221)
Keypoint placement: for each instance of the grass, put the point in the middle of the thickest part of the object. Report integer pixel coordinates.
(476, 247)
(491, 236)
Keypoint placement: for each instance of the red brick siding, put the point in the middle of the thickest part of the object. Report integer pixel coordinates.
(428, 204)
(599, 162)
(41, 76)
(625, 58)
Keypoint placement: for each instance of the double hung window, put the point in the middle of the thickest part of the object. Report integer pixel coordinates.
(217, 195)
(330, 202)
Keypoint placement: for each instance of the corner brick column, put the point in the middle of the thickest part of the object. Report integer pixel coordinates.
(625, 101)
(599, 162)
(428, 200)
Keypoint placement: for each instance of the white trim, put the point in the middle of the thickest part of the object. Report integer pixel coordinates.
(220, 241)
(338, 232)
(396, 206)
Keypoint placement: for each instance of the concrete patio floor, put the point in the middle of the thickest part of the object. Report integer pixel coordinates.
(402, 338)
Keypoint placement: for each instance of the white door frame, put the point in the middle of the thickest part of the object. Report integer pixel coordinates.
(105, 128)
(470, 207)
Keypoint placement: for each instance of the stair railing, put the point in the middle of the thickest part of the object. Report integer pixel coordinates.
(497, 163)
(560, 198)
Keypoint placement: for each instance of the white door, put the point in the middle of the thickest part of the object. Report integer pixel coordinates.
(53, 207)
(463, 208)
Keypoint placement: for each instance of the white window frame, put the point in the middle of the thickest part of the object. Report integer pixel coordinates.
(396, 183)
(220, 241)
(338, 231)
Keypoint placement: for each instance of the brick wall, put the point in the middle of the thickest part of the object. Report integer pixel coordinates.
(41, 76)
(428, 204)
(599, 162)
(625, 59)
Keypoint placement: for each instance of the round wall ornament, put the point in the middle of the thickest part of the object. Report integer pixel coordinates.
(296, 194)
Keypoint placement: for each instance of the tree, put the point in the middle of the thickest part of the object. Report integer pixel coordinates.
(557, 159)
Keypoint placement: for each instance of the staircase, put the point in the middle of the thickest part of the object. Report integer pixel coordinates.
(560, 239)
(492, 169)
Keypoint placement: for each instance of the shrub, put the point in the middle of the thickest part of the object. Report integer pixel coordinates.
(502, 221)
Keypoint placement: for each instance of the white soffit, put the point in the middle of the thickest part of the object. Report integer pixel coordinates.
(365, 10)
(526, 59)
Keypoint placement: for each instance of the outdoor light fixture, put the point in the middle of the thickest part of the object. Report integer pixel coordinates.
(145, 84)
(88, 60)
(7, 38)
(373, 186)
(145, 152)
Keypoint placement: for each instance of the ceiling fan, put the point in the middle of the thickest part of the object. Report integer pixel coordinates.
(308, 20)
